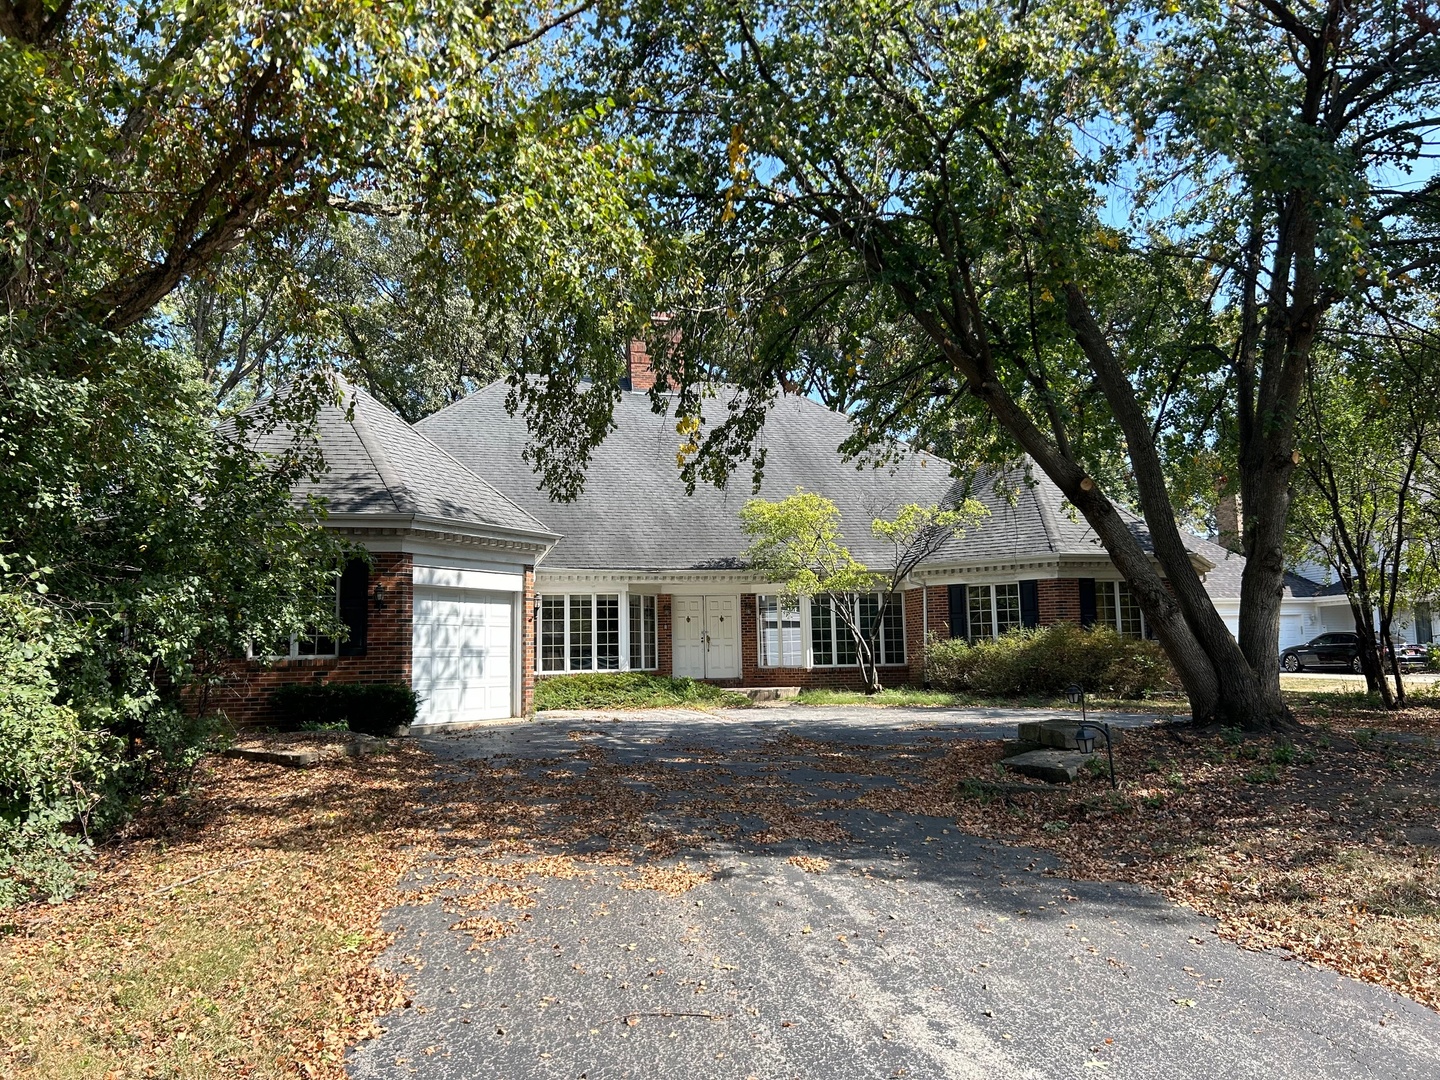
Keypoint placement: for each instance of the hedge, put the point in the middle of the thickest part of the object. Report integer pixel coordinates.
(1046, 661)
(368, 708)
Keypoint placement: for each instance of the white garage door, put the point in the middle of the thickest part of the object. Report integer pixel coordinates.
(461, 665)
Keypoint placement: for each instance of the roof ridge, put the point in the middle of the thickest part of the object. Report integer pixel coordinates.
(1046, 511)
(393, 481)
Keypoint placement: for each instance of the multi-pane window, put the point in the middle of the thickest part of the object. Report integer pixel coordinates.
(580, 632)
(607, 633)
(552, 633)
(994, 609)
(308, 645)
(643, 655)
(833, 645)
(582, 625)
(1117, 608)
(780, 643)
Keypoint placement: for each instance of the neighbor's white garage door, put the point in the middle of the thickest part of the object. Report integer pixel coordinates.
(462, 657)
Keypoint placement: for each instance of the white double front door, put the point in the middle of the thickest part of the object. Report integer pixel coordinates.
(705, 637)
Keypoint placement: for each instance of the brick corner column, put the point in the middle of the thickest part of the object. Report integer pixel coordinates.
(527, 645)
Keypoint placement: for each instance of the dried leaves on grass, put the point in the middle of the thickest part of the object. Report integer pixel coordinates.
(1324, 846)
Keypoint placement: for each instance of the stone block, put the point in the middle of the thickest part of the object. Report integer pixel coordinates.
(1058, 733)
(1051, 766)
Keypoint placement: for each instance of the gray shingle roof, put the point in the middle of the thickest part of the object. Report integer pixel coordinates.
(634, 513)
(379, 465)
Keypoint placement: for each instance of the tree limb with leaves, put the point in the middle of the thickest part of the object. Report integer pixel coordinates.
(796, 542)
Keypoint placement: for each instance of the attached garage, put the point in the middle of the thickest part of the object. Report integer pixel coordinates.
(463, 655)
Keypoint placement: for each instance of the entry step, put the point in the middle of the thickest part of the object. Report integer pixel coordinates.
(769, 693)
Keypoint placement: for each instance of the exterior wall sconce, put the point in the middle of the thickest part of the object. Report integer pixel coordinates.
(379, 594)
(1087, 733)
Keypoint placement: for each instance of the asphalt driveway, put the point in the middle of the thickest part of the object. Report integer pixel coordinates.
(848, 942)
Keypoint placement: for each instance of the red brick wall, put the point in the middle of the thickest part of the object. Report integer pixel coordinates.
(1059, 601)
(847, 678)
(642, 375)
(527, 646)
(243, 694)
(664, 653)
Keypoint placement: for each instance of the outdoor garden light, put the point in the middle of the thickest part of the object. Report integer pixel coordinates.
(1087, 733)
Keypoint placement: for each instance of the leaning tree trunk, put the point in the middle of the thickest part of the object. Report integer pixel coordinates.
(1247, 683)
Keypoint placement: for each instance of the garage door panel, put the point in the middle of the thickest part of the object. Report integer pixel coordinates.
(462, 660)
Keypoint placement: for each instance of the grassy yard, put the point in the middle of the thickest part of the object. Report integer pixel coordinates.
(231, 934)
(1166, 703)
(630, 690)
(1323, 844)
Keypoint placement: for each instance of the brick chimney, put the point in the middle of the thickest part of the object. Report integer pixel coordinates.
(639, 365)
(639, 373)
(1230, 521)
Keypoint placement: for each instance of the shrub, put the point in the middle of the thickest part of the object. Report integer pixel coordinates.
(628, 690)
(367, 708)
(1046, 661)
(52, 768)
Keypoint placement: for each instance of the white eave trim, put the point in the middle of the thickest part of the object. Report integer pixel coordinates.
(532, 542)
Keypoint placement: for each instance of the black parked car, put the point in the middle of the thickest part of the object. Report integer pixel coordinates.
(1343, 651)
(1333, 650)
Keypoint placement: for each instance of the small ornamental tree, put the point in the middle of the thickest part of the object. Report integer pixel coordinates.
(796, 542)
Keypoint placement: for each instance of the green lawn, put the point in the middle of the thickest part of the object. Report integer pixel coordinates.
(941, 698)
(630, 690)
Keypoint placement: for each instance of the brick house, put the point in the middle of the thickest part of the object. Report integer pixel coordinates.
(479, 584)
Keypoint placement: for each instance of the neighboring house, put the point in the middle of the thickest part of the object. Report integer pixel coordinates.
(480, 584)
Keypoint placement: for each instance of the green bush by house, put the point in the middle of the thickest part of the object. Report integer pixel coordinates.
(1046, 661)
(629, 690)
(367, 708)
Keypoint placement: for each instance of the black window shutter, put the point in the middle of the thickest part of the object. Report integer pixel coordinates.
(1029, 604)
(355, 606)
(1087, 601)
(959, 612)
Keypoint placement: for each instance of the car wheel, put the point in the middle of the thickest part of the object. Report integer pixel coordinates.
(1290, 663)
(1357, 667)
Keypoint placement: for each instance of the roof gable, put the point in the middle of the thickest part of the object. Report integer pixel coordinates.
(379, 465)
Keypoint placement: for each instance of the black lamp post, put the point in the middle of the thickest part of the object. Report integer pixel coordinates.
(1086, 733)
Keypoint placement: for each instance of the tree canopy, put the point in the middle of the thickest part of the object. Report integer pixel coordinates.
(163, 164)
(1104, 236)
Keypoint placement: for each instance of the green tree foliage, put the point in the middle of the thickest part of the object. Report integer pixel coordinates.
(1094, 233)
(362, 295)
(1365, 502)
(150, 146)
(796, 542)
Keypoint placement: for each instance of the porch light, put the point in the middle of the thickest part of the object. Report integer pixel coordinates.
(379, 594)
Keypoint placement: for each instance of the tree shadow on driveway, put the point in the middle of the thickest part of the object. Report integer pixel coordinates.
(716, 897)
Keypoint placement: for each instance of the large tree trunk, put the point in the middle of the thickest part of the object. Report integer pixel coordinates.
(1248, 683)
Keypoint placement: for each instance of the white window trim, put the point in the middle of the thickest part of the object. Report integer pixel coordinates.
(837, 628)
(991, 591)
(1113, 588)
(295, 653)
(802, 608)
(627, 658)
(623, 600)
